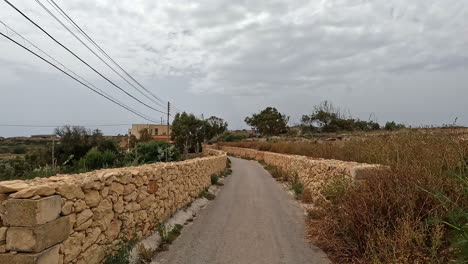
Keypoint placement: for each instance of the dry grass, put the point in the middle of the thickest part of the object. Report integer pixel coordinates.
(398, 216)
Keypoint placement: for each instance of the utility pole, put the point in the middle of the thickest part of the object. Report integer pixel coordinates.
(168, 126)
(204, 128)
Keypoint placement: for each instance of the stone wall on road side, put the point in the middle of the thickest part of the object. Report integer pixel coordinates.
(82, 218)
(316, 175)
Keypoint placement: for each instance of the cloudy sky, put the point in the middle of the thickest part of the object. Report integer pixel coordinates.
(390, 59)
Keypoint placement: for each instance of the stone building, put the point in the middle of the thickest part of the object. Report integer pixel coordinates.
(157, 132)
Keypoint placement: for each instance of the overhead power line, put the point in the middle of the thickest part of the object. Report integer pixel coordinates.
(91, 50)
(49, 126)
(76, 79)
(76, 56)
(64, 14)
(65, 68)
(77, 27)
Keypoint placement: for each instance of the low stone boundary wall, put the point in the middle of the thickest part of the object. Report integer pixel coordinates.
(82, 218)
(316, 175)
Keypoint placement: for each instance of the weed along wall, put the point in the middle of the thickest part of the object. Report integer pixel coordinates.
(320, 177)
(85, 217)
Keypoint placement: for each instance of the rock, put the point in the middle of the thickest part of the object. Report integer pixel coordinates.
(92, 198)
(80, 205)
(105, 192)
(12, 186)
(72, 246)
(119, 205)
(105, 207)
(117, 188)
(37, 238)
(84, 225)
(26, 212)
(113, 230)
(3, 234)
(93, 255)
(50, 255)
(40, 190)
(83, 217)
(67, 208)
(133, 206)
(70, 191)
(129, 188)
(91, 237)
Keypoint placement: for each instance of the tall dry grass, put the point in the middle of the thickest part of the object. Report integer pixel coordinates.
(416, 212)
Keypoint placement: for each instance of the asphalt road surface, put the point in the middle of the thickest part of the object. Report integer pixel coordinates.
(253, 220)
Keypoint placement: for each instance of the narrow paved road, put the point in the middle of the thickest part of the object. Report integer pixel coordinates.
(252, 221)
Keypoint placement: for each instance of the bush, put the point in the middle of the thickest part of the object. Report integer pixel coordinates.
(228, 136)
(95, 159)
(156, 151)
(214, 179)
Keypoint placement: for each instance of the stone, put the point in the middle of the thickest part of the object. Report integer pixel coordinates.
(92, 198)
(93, 255)
(12, 186)
(83, 217)
(39, 190)
(70, 191)
(131, 197)
(117, 188)
(71, 247)
(67, 208)
(133, 206)
(48, 256)
(119, 205)
(129, 188)
(37, 238)
(84, 225)
(26, 212)
(91, 237)
(80, 205)
(105, 207)
(3, 233)
(113, 230)
(105, 192)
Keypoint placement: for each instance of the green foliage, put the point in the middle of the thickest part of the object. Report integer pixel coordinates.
(214, 126)
(327, 118)
(19, 150)
(156, 151)
(214, 179)
(168, 237)
(123, 253)
(298, 188)
(207, 195)
(19, 168)
(187, 133)
(391, 126)
(96, 159)
(268, 122)
(229, 136)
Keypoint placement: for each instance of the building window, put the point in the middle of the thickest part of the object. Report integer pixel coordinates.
(156, 131)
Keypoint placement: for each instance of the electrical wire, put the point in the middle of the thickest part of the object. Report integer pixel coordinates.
(76, 56)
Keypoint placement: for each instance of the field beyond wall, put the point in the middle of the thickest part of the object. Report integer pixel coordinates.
(416, 212)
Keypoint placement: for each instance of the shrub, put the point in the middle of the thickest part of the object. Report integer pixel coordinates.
(214, 179)
(95, 159)
(229, 136)
(156, 151)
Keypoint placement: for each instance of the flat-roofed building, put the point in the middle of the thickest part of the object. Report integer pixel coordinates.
(157, 132)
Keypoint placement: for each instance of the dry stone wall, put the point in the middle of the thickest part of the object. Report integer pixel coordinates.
(316, 175)
(81, 218)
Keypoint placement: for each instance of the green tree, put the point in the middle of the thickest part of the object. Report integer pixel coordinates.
(268, 122)
(187, 133)
(214, 126)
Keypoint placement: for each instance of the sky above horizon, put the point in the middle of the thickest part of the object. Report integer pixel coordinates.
(386, 60)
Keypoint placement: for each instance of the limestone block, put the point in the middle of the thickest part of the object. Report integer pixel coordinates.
(93, 255)
(67, 208)
(153, 187)
(83, 217)
(12, 186)
(70, 191)
(129, 188)
(37, 238)
(92, 198)
(48, 256)
(71, 247)
(40, 190)
(26, 212)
